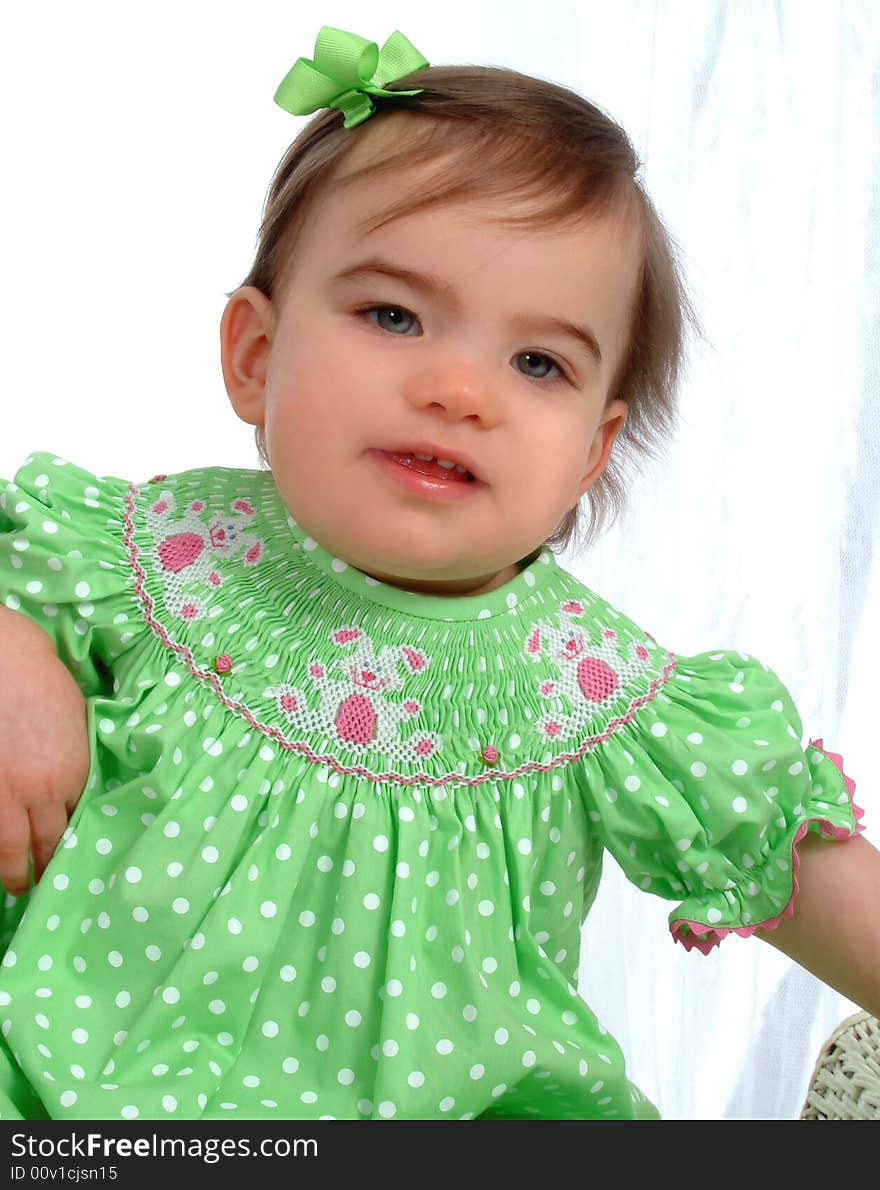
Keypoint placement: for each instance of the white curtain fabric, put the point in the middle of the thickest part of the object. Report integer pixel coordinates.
(137, 147)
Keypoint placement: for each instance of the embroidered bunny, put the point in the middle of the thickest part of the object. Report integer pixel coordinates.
(355, 708)
(189, 552)
(590, 675)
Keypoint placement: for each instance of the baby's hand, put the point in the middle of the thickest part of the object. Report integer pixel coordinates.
(44, 750)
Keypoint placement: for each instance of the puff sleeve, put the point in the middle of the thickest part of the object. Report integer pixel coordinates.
(63, 563)
(704, 793)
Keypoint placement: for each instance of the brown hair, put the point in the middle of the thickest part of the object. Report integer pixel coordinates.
(507, 133)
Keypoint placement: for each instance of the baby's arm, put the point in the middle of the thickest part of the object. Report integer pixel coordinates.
(44, 750)
(835, 930)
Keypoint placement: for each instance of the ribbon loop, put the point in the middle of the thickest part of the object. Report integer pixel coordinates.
(345, 72)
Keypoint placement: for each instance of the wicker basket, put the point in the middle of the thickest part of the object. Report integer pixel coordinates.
(845, 1084)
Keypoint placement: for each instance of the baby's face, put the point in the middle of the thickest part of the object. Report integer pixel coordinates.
(470, 369)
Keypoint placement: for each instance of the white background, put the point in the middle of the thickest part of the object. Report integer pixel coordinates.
(138, 141)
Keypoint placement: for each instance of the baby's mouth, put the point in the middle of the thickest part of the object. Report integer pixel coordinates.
(432, 467)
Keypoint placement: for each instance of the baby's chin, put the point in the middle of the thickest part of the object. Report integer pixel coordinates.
(449, 588)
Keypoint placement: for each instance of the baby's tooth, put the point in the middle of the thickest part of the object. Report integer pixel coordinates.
(447, 463)
(425, 458)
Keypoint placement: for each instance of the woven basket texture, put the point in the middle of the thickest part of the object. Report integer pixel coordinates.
(845, 1084)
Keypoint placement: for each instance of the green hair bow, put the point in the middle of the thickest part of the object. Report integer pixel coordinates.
(346, 71)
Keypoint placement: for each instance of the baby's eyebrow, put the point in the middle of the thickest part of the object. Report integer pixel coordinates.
(431, 284)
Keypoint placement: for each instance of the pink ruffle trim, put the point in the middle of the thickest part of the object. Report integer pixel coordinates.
(705, 938)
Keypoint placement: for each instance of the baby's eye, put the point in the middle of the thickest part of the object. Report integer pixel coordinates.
(539, 360)
(389, 318)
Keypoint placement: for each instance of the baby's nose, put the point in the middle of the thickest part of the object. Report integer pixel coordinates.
(458, 384)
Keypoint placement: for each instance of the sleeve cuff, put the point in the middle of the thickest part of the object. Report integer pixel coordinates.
(704, 936)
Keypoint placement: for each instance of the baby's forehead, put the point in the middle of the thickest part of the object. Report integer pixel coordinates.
(402, 161)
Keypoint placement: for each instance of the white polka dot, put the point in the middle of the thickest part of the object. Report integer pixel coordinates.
(268, 909)
(740, 805)
(133, 875)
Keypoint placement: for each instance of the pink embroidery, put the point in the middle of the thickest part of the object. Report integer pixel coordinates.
(596, 678)
(357, 707)
(344, 635)
(356, 720)
(188, 549)
(589, 674)
(489, 754)
(180, 551)
(223, 664)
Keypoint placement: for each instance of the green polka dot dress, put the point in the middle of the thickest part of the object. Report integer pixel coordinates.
(338, 839)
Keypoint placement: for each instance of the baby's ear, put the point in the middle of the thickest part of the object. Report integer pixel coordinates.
(246, 331)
